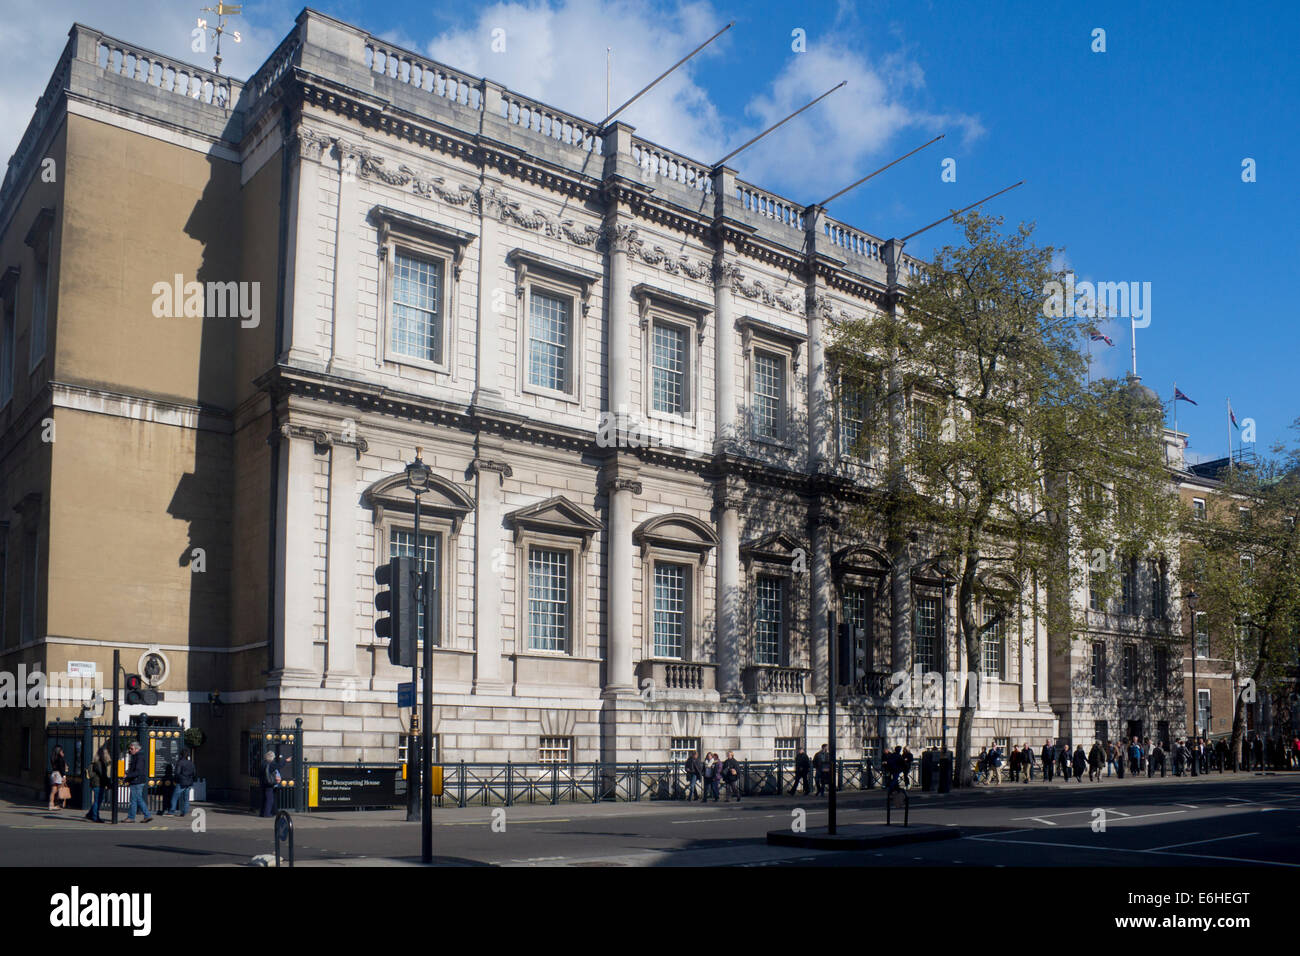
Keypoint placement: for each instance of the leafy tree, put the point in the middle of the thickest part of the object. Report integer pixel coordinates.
(995, 445)
(1241, 561)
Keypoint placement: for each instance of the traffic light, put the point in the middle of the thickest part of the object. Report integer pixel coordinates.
(850, 654)
(138, 692)
(398, 602)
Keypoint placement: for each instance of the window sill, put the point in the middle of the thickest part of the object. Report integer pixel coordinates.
(569, 398)
(411, 361)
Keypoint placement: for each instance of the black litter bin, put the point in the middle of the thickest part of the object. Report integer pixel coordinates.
(927, 770)
(945, 773)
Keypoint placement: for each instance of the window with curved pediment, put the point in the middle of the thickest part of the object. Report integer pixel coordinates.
(442, 513)
(674, 550)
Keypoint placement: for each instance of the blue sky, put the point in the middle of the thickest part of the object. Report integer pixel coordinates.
(1132, 158)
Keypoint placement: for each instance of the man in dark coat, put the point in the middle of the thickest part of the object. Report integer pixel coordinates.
(821, 764)
(270, 780)
(731, 777)
(1063, 760)
(1049, 760)
(183, 777)
(695, 774)
(802, 767)
(137, 777)
(1080, 763)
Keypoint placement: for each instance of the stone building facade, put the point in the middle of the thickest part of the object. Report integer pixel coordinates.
(615, 360)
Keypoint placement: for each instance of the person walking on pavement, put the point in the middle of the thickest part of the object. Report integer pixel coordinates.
(1157, 760)
(1080, 763)
(1095, 758)
(802, 767)
(184, 773)
(1110, 757)
(1027, 762)
(100, 775)
(58, 779)
(731, 776)
(1049, 761)
(694, 774)
(1063, 760)
(907, 766)
(270, 780)
(137, 778)
(712, 775)
(1013, 764)
(1147, 757)
(995, 764)
(821, 764)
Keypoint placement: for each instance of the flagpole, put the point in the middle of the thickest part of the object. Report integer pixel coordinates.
(1133, 342)
(1229, 432)
(1175, 408)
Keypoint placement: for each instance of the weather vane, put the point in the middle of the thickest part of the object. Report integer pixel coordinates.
(222, 10)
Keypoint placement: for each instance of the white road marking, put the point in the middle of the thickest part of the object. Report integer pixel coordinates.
(1040, 820)
(1187, 805)
(1120, 849)
(1172, 846)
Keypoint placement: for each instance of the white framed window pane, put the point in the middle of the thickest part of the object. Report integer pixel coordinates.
(993, 641)
(769, 609)
(670, 610)
(1203, 713)
(1202, 634)
(401, 544)
(668, 355)
(548, 341)
(857, 614)
(417, 308)
(682, 748)
(786, 749)
(925, 423)
(769, 394)
(1099, 665)
(548, 599)
(853, 416)
(556, 750)
(927, 633)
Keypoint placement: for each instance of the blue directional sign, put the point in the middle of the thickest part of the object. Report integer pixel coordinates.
(406, 695)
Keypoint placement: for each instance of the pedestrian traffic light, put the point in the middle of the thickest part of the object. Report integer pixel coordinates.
(138, 692)
(398, 602)
(850, 654)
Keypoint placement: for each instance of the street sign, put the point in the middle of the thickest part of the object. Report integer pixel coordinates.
(406, 695)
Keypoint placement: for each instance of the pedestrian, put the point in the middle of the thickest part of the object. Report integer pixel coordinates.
(183, 774)
(893, 766)
(270, 780)
(1178, 758)
(995, 764)
(1080, 763)
(694, 774)
(1147, 757)
(1110, 757)
(1049, 761)
(59, 790)
(731, 776)
(802, 767)
(1259, 752)
(1158, 758)
(712, 773)
(100, 775)
(137, 778)
(1027, 762)
(907, 766)
(1096, 756)
(821, 764)
(1063, 760)
(1134, 756)
(1013, 764)
(1221, 754)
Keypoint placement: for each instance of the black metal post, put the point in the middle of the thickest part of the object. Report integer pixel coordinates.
(117, 668)
(433, 621)
(832, 694)
(412, 771)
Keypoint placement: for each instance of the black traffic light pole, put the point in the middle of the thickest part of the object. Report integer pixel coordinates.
(832, 693)
(412, 774)
(433, 621)
(117, 669)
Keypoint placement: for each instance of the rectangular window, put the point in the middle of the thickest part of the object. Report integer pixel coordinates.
(1198, 509)
(1130, 666)
(7, 353)
(435, 748)
(669, 350)
(548, 599)
(1162, 669)
(40, 299)
(925, 423)
(1203, 714)
(401, 544)
(27, 606)
(1159, 590)
(872, 750)
(927, 634)
(858, 614)
(853, 417)
(785, 749)
(1101, 730)
(1162, 733)
(769, 620)
(416, 328)
(1094, 594)
(769, 396)
(549, 340)
(682, 749)
(670, 610)
(555, 750)
(1128, 587)
(1202, 634)
(993, 641)
(1098, 666)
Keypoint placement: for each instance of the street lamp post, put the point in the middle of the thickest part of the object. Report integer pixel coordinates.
(1196, 704)
(417, 482)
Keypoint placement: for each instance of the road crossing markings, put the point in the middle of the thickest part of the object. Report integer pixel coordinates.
(1171, 846)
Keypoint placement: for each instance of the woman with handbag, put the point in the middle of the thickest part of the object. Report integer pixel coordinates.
(100, 776)
(59, 789)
